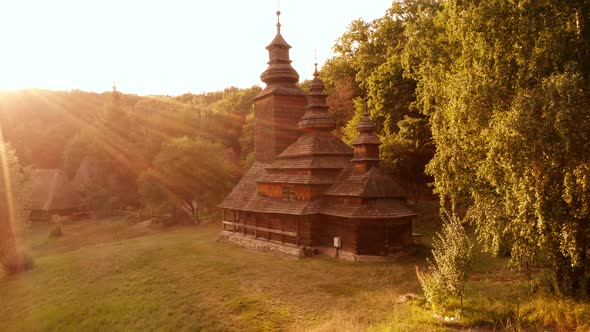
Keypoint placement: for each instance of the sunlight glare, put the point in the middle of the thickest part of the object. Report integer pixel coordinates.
(8, 190)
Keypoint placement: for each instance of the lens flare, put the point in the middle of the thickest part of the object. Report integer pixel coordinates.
(9, 198)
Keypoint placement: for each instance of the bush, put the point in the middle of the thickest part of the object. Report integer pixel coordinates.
(543, 284)
(452, 251)
(434, 289)
(57, 225)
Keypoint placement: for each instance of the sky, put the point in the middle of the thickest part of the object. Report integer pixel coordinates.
(164, 47)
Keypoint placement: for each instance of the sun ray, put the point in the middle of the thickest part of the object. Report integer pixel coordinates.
(9, 198)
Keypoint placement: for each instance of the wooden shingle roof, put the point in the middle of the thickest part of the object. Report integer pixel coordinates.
(259, 203)
(310, 162)
(371, 184)
(317, 118)
(379, 209)
(244, 197)
(318, 145)
(245, 190)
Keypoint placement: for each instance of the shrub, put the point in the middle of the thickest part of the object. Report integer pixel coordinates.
(434, 288)
(57, 225)
(452, 251)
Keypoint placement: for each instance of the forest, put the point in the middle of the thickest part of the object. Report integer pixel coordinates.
(130, 140)
(483, 104)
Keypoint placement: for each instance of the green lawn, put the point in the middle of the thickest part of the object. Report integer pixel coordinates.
(108, 276)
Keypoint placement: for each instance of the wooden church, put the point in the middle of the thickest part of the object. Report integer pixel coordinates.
(308, 192)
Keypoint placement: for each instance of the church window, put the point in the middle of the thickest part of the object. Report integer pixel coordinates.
(288, 193)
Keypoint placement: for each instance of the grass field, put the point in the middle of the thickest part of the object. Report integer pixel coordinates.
(109, 276)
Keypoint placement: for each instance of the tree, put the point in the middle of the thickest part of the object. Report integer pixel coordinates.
(115, 155)
(193, 173)
(38, 123)
(15, 193)
(369, 63)
(230, 115)
(247, 141)
(158, 200)
(506, 86)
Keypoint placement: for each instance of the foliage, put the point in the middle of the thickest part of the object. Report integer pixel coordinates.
(452, 252)
(121, 143)
(115, 135)
(433, 286)
(369, 63)
(350, 131)
(193, 173)
(39, 123)
(15, 193)
(408, 151)
(159, 204)
(247, 141)
(229, 116)
(113, 157)
(506, 87)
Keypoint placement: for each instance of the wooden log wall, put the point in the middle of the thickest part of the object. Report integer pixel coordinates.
(271, 227)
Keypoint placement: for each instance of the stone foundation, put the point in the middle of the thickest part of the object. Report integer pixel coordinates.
(261, 245)
(284, 249)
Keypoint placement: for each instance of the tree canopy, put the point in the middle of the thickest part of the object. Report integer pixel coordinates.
(194, 174)
(505, 86)
(369, 64)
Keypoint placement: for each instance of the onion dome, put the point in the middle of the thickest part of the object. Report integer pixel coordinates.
(279, 65)
(317, 116)
(366, 145)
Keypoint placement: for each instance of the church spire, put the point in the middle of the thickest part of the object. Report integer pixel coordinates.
(279, 106)
(279, 64)
(316, 117)
(366, 145)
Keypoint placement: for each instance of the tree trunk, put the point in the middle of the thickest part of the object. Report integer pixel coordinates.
(192, 209)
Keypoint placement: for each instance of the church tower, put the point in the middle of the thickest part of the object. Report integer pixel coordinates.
(278, 107)
(366, 145)
(308, 192)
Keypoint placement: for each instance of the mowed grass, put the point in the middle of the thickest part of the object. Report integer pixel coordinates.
(184, 280)
(109, 276)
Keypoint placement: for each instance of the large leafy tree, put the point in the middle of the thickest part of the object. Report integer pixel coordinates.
(195, 174)
(506, 86)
